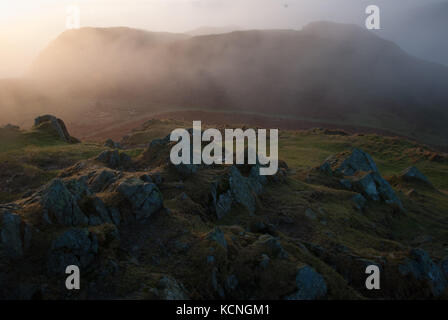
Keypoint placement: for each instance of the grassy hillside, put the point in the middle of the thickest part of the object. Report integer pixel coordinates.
(301, 218)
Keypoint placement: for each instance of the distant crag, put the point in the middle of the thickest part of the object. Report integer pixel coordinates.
(54, 125)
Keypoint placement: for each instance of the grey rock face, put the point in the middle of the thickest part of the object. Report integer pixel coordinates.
(57, 125)
(114, 159)
(99, 212)
(101, 181)
(361, 175)
(78, 188)
(170, 289)
(273, 246)
(241, 190)
(61, 206)
(186, 170)
(351, 163)
(310, 285)
(218, 236)
(375, 188)
(422, 267)
(10, 234)
(73, 247)
(145, 198)
(413, 174)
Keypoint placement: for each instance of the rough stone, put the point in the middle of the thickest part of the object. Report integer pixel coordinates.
(422, 267)
(144, 198)
(73, 247)
(310, 285)
(61, 206)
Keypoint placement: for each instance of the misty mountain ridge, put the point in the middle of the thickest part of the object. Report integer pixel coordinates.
(208, 30)
(336, 72)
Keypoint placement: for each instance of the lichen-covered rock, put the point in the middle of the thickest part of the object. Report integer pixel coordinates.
(310, 285)
(76, 246)
(422, 267)
(60, 206)
(144, 198)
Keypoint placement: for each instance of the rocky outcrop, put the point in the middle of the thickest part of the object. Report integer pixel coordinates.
(73, 247)
(349, 163)
(15, 235)
(144, 198)
(234, 188)
(412, 174)
(420, 266)
(54, 125)
(375, 188)
(170, 289)
(360, 174)
(114, 159)
(359, 201)
(216, 235)
(310, 285)
(100, 181)
(60, 205)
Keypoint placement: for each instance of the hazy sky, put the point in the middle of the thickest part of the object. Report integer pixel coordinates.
(26, 26)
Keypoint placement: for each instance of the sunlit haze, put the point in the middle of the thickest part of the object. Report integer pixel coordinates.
(27, 26)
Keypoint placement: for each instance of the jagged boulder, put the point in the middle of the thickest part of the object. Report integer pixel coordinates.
(216, 235)
(99, 182)
(54, 125)
(349, 163)
(169, 288)
(98, 212)
(375, 188)
(412, 174)
(144, 198)
(310, 285)
(60, 205)
(422, 267)
(15, 235)
(76, 246)
(234, 188)
(360, 174)
(114, 159)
